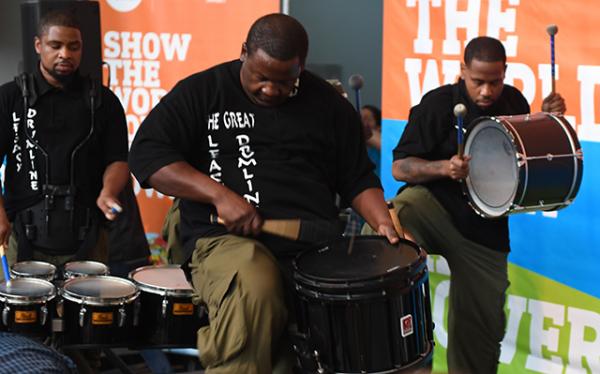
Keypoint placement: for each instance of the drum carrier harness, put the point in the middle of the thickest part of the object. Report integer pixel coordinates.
(37, 225)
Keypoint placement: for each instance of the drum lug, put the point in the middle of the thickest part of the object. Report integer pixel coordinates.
(136, 311)
(5, 312)
(165, 304)
(44, 316)
(122, 315)
(60, 307)
(520, 160)
(82, 312)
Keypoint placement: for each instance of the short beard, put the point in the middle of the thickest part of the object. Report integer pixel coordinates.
(63, 79)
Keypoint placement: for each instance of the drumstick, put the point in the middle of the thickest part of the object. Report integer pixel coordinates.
(552, 30)
(4, 264)
(296, 229)
(395, 219)
(460, 111)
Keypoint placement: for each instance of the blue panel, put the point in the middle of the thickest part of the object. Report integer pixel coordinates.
(563, 246)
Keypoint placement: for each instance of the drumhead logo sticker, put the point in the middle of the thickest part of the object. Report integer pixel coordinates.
(406, 323)
(123, 5)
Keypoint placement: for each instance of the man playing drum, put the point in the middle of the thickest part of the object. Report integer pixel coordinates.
(252, 139)
(434, 210)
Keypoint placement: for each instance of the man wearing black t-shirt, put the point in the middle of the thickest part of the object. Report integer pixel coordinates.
(65, 141)
(246, 140)
(433, 208)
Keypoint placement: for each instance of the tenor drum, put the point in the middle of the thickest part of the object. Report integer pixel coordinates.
(363, 306)
(99, 310)
(34, 269)
(84, 268)
(167, 315)
(27, 306)
(522, 163)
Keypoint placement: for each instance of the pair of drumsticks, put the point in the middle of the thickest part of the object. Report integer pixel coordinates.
(460, 111)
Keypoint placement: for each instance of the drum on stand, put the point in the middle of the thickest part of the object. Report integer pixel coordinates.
(75, 269)
(363, 307)
(27, 306)
(34, 269)
(99, 310)
(167, 315)
(522, 163)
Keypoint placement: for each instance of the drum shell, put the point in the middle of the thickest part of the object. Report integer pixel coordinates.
(176, 328)
(92, 333)
(92, 321)
(32, 318)
(357, 326)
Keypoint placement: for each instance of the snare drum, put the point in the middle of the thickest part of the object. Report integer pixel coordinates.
(522, 163)
(84, 268)
(363, 307)
(167, 315)
(99, 310)
(34, 269)
(27, 306)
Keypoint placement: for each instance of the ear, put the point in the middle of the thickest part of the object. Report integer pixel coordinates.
(244, 53)
(463, 70)
(37, 43)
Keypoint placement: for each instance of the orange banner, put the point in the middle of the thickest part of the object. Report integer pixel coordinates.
(424, 42)
(149, 45)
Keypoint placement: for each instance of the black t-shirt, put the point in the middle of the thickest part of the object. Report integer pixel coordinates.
(430, 134)
(288, 161)
(58, 119)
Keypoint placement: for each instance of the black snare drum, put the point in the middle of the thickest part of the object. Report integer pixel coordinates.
(167, 315)
(34, 269)
(99, 310)
(364, 307)
(75, 269)
(27, 306)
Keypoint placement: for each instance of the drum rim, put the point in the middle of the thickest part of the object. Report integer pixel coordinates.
(158, 290)
(359, 282)
(98, 301)
(69, 273)
(46, 276)
(477, 203)
(24, 299)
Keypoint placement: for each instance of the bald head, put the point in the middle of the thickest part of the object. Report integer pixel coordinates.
(280, 36)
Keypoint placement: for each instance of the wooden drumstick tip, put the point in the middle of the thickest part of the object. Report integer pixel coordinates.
(552, 29)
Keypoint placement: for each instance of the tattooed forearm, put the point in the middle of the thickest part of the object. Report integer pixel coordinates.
(416, 170)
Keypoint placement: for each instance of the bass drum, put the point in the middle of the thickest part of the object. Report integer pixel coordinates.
(28, 306)
(363, 306)
(99, 310)
(522, 163)
(168, 317)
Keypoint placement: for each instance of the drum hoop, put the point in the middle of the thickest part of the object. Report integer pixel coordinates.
(158, 290)
(576, 148)
(45, 276)
(98, 301)
(502, 122)
(326, 294)
(68, 273)
(24, 299)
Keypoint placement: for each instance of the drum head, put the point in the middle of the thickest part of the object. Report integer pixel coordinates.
(167, 279)
(35, 269)
(85, 268)
(493, 170)
(359, 259)
(27, 289)
(99, 290)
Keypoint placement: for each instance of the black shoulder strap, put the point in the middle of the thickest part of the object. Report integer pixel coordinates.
(92, 91)
(26, 84)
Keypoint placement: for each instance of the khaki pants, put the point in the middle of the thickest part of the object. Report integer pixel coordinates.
(478, 282)
(240, 281)
(99, 253)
